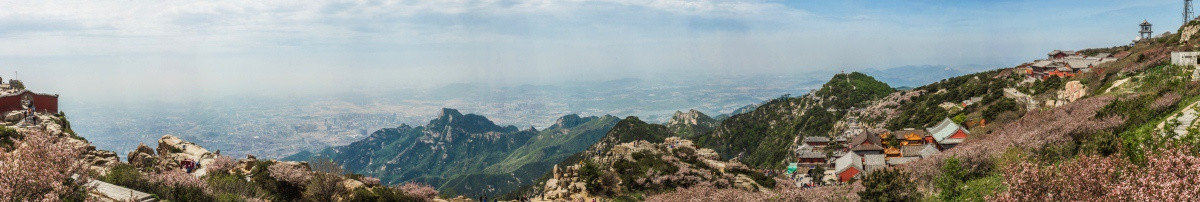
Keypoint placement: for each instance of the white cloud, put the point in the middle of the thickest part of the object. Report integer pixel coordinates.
(108, 27)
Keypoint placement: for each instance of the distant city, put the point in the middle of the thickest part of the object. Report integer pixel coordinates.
(273, 127)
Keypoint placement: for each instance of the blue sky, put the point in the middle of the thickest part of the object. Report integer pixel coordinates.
(186, 50)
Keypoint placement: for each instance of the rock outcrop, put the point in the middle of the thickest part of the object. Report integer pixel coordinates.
(696, 166)
(172, 150)
(100, 160)
(1188, 32)
(1072, 91)
(142, 157)
(95, 160)
(14, 116)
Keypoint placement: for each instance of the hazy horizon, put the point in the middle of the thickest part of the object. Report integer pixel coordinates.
(149, 50)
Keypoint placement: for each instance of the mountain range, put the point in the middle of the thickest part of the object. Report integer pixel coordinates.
(466, 154)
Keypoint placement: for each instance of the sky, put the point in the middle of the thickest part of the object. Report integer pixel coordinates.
(186, 50)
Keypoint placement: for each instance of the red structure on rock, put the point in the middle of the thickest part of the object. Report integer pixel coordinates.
(46, 103)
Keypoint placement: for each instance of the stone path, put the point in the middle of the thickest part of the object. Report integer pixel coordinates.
(1186, 119)
(1196, 75)
(111, 192)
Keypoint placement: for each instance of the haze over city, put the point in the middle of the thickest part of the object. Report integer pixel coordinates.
(124, 51)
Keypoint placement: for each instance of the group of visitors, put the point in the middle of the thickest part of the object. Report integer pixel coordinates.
(29, 115)
(189, 165)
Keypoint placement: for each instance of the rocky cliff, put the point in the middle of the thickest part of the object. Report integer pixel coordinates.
(645, 167)
(691, 123)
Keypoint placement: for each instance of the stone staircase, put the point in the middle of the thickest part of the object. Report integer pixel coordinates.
(110, 192)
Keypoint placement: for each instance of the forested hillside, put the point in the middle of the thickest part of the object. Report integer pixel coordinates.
(466, 154)
(762, 137)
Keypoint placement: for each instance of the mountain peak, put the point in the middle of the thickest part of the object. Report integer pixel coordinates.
(448, 113)
(470, 123)
(691, 123)
(567, 121)
(692, 117)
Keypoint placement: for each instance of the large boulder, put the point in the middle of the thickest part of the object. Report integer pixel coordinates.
(351, 184)
(142, 157)
(244, 166)
(173, 150)
(14, 116)
(101, 161)
(1072, 91)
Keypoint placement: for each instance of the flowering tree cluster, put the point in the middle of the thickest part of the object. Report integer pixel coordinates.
(782, 192)
(221, 164)
(177, 178)
(289, 173)
(709, 193)
(40, 168)
(1171, 174)
(419, 191)
(1165, 101)
(1034, 130)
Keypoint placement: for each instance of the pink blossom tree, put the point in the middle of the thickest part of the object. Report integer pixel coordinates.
(289, 173)
(177, 178)
(40, 168)
(221, 164)
(418, 190)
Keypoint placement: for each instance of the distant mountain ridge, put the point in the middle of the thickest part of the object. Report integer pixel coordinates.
(466, 153)
(919, 75)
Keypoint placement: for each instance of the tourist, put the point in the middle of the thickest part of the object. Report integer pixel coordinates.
(188, 165)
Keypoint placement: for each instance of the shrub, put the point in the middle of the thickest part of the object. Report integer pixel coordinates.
(1004, 105)
(379, 194)
(225, 184)
(590, 173)
(8, 137)
(370, 181)
(279, 190)
(889, 185)
(172, 185)
(325, 183)
(955, 175)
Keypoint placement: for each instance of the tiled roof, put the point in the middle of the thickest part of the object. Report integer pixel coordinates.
(929, 150)
(900, 160)
(911, 151)
(901, 134)
(867, 147)
(866, 137)
(846, 162)
(816, 139)
(811, 154)
(944, 129)
(874, 159)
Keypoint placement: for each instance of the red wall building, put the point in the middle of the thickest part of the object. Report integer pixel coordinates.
(959, 134)
(849, 173)
(42, 102)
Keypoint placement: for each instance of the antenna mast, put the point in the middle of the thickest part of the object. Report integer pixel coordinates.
(1187, 11)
